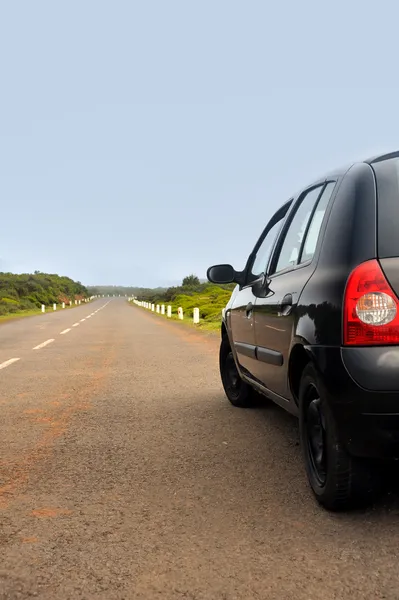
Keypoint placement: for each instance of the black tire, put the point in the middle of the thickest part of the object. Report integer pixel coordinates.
(237, 391)
(338, 480)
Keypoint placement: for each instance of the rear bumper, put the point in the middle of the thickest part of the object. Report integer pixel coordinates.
(364, 397)
(374, 369)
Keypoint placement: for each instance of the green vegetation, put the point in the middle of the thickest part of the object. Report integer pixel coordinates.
(209, 298)
(25, 293)
(210, 301)
(191, 281)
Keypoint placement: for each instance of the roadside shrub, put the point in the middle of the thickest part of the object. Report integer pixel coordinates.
(28, 291)
(9, 301)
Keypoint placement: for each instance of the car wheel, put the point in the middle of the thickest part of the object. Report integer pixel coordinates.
(338, 480)
(237, 391)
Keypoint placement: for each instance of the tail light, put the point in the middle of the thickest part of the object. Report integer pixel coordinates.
(371, 308)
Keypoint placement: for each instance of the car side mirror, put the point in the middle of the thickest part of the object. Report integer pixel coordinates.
(222, 274)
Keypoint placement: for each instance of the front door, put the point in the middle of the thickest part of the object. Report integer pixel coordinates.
(242, 329)
(241, 313)
(291, 267)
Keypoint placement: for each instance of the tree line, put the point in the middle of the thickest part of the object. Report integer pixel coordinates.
(117, 290)
(190, 285)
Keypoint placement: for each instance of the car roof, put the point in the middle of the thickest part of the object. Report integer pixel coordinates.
(340, 171)
(382, 157)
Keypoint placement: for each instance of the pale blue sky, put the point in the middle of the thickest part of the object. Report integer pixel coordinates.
(142, 141)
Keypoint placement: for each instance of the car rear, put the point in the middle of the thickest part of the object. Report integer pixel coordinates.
(370, 331)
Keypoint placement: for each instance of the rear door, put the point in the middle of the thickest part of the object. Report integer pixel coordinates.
(290, 269)
(241, 312)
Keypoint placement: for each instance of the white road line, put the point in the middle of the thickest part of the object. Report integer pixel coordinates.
(65, 331)
(81, 320)
(42, 345)
(75, 325)
(7, 363)
(88, 317)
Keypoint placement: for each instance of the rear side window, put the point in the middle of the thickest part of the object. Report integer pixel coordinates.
(387, 180)
(312, 235)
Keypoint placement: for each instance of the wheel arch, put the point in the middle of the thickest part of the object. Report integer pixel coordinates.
(300, 357)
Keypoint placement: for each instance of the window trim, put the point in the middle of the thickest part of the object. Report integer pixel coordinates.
(283, 233)
(279, 215)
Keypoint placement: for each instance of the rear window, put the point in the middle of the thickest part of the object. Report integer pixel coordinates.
(387, 178)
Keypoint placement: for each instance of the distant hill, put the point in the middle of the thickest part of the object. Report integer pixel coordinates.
(132, 290)
(27, 291)
(121, 290)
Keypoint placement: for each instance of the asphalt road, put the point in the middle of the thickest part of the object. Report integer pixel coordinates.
(124, 473)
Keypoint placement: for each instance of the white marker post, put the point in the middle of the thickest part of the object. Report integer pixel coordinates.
(169, 312)
(157, 308)
(76, 302)
(70, 303)
(79, 301)
(63, 305)
(43, 308)
(54, 307)
(180, 313)
(153, 307)
(163, 309)
(196, 316)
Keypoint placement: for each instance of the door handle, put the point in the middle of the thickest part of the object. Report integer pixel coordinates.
(287, 300)
(249, 309)
(286, 305)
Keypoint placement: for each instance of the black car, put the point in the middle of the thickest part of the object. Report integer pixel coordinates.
(313, 324)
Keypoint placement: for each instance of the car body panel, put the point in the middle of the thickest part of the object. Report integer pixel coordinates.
(390, 267)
